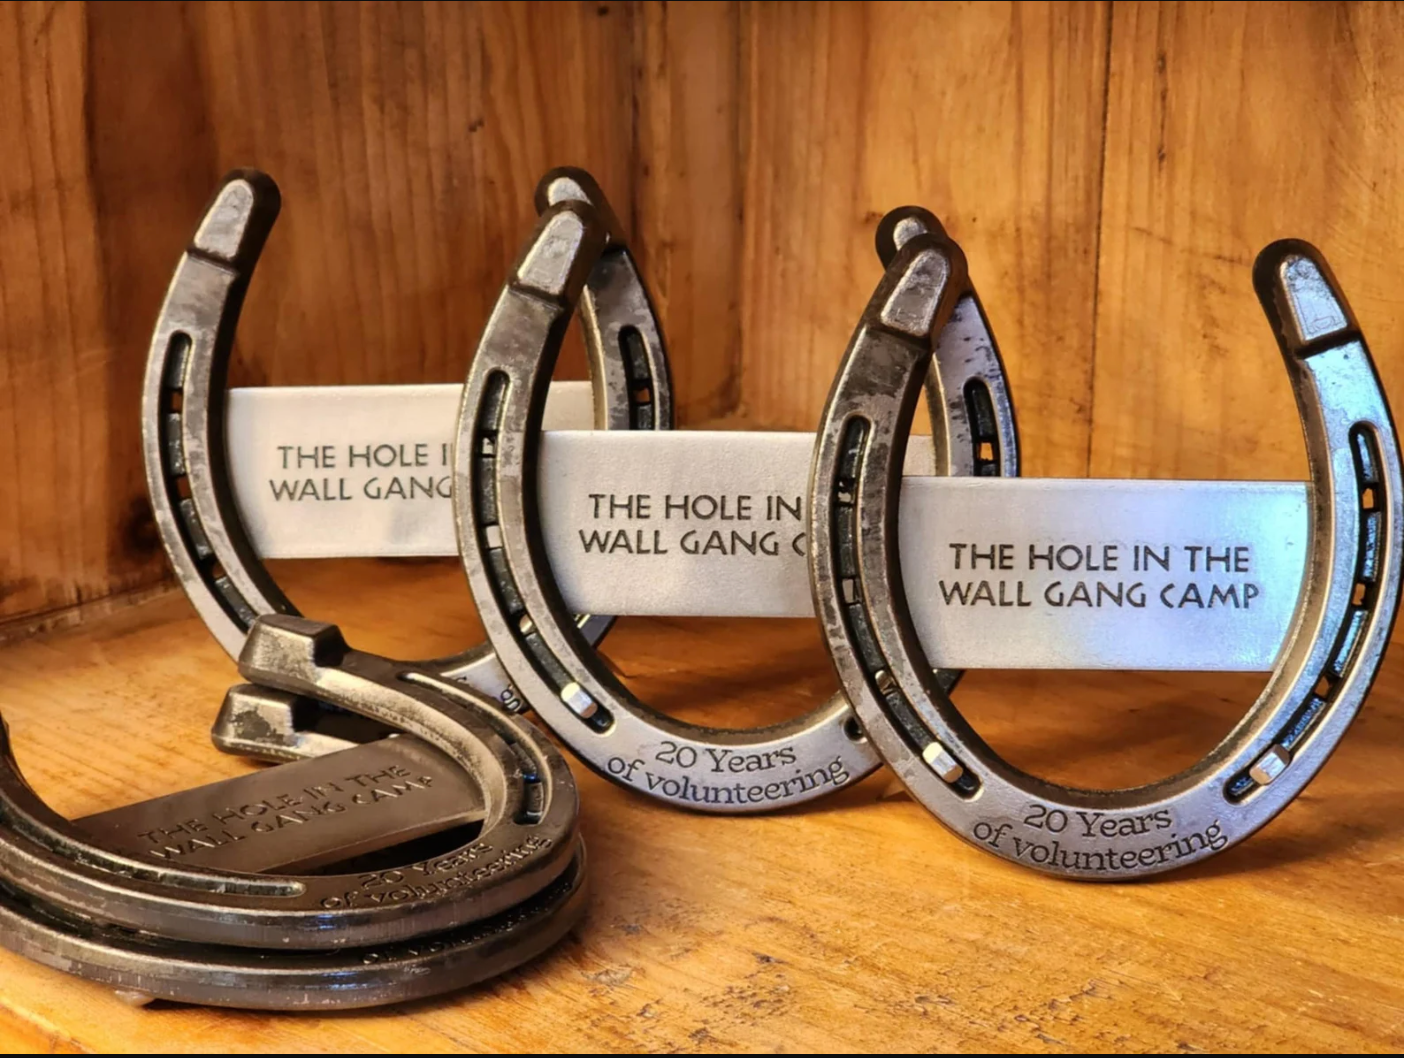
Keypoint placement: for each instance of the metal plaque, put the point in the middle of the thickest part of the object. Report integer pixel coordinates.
(300, 816)
(1000, 573)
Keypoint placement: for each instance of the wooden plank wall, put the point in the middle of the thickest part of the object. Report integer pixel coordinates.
(1110, 169)
(407, 140)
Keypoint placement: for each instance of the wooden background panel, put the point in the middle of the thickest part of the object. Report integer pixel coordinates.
(1229, 126)
(990, 115)
(72, 525)
(687, 216)
(408, 140)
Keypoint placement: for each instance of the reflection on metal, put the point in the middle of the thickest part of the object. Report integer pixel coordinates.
(528, 624)
(182, 927)
(1324, 669)
(183, 415)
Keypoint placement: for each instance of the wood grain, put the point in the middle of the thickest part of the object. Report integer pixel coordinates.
(858, 923)
(687, 213)
(1110, 170)
(1229, 126)
(407, 139)
(991, 116)
(70, 529)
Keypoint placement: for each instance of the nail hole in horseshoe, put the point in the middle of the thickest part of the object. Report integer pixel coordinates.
(984, 428)
(177, 357)
(1194, 719)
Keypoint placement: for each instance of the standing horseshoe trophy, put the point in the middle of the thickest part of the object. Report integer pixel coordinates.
(1344, 614)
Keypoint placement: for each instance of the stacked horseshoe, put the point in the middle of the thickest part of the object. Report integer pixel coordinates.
(507, 881)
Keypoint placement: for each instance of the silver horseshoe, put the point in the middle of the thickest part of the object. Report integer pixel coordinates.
(1342, 623)
(563, 679)
(183, 407)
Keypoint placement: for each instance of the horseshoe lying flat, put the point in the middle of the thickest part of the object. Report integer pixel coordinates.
(536, 641)
(1342, 622)
(183, 409)
(279, 941)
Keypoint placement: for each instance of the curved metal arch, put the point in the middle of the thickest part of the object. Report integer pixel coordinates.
(183, 410)
(564, 680)
(282, 980)
(324, 940)
(1342, 622)
(528, 793)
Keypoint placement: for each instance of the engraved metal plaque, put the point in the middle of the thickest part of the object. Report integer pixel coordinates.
(301, 816)
(1000, 573)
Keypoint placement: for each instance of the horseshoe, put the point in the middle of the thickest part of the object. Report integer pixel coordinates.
(280, 980)
(1342, 622)
(277, 941)
(532, 632)
(183, 441)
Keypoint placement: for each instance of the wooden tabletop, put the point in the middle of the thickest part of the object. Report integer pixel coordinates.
(858, 923)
